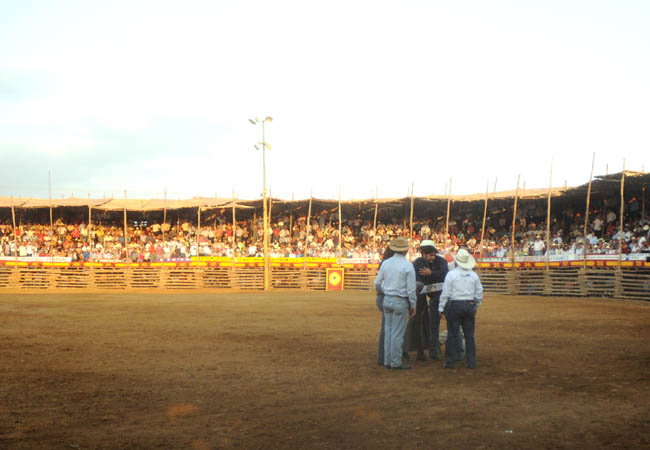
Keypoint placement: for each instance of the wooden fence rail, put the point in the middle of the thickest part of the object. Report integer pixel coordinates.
(626, 283)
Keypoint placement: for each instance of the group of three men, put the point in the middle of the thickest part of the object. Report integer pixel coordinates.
(401, 283)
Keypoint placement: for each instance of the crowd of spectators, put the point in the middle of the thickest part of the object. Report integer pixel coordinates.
(360, 239)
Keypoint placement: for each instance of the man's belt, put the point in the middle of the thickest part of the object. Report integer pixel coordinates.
(405, 298)
(471, 302)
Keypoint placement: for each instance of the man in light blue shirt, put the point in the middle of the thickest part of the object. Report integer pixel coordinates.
(462, 293)
(396, 279)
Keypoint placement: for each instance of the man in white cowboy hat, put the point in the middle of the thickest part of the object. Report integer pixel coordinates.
(396, 279)
(462, 293)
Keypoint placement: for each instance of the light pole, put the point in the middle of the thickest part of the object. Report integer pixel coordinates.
(267, 256)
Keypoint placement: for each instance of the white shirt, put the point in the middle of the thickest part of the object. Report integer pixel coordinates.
(461, 284)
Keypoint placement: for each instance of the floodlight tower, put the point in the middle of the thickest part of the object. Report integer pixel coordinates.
(263, 145)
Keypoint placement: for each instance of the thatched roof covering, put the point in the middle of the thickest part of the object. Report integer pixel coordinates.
(7, 202)
(601, 185)
(607, 184)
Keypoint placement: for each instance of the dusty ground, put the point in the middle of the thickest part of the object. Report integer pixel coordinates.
(297, 370)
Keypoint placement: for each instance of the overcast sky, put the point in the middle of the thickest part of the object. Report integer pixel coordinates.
(366, 95)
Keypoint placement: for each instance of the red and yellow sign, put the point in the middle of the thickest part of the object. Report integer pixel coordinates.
(335, 279)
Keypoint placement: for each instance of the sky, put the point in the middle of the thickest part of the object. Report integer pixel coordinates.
(367, 97)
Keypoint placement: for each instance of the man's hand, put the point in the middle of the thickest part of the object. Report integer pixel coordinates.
(424, 271)
(411, 312)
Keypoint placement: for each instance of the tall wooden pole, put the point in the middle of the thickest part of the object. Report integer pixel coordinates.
(374, 224)
(340, 235)
(411, 216)
(270, 205)
(548, 216)
(480, 245)
(49, 188)
(90, 218)
(514, 218)
(447, 221)
(620, 231)
(126, 239)
(13, 218)
(307, 233)
(164, 217)
(90, 221)
(308, 223)
(234, 229)
(198, 235)
(291, 221)
(643, 203)
(605, 196)
(593, 160)
(234, 256)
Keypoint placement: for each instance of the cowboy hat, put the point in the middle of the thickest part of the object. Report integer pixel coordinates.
(428, 243)
(464, 259)
(400, 244)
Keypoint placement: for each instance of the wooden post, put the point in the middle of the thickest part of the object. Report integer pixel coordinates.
(643, 214)
(234, 230)
(13, 219)
(593, 159)
(480, 245)
(411, 216)
(49, 188)
(164, 217)
(548, 216)
(198, 237)
(374, 224)
(270, 204)
(340, 235)
(447, 222)
(308, 231)
(291, 222)
(514, 218)
(90, 221)
(620, 231)
(126, 240)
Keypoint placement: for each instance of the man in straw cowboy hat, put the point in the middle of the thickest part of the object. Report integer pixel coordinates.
(461, 296)
(396, 279)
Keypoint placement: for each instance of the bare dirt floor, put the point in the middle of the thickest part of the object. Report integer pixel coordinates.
(298, 370)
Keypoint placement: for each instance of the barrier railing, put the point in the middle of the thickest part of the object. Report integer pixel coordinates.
(631, 281)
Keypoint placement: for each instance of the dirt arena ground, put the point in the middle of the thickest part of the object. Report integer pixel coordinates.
(298, 370)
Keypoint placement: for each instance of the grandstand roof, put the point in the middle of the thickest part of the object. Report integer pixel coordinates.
(601, 185)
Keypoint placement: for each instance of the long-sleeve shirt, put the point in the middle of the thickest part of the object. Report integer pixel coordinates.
(463, 285)
(396, 277)
(438, 269)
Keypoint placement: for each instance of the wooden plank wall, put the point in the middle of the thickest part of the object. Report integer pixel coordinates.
(628, 283)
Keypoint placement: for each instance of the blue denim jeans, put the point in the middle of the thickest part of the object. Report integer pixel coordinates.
(395, 314)
(460, 315)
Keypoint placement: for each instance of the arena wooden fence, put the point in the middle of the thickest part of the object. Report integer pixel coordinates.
(625, 283)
